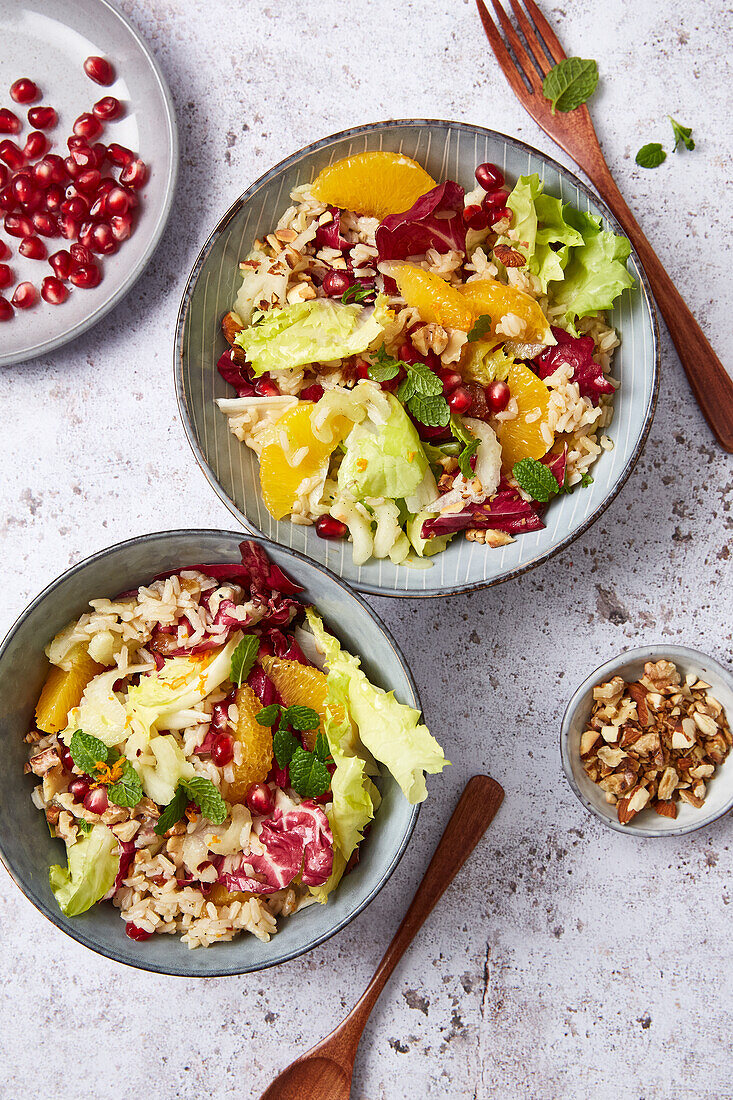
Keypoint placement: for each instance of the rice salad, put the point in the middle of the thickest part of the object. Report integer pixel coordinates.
(210, 755)
(413, 362)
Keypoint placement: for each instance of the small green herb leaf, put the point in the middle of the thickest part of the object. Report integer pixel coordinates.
(406, 389)
(321, 747)
(570, 83)
(651, 155)
(586, 480)
(85, 826)
(434, 412)
(86, 751)
(207, 798)
(356, 293)
(268, 716)
(425, 382)
(284, 744)
(174, 811)
(385, 371)
(243, 659)
(301, 718)
(128, 790)
(470, 446)
(682, 135)
(309, 776)
(536, 479)
(480, 328)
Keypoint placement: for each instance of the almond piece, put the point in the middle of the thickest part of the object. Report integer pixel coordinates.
(629, 807)
(639, 693)
(667, 784)
(666, 809)
(230, 326)
(587, 741)
(510, 257)
(707, 725)
(690, 798)
(647, 744)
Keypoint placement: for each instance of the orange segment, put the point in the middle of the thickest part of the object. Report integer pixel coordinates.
(488, 296)
(256, 742)
(291, 438)
(301, 685)
(63, 690)
(520, 438)
(377, 184)
(221, 896)
(434, 299)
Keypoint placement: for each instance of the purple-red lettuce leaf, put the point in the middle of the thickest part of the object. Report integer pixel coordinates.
(434, 221)
(577, 352)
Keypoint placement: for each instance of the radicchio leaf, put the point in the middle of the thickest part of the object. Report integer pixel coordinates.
(298, 839)
(434, 221)
(286, 648)
(506, 511)
(235, 374)
(263, 686)
(265, 577)
(329, 236)
(577, 351)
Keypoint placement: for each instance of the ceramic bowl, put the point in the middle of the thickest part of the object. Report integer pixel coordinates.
(447, 150)
(630, 666)
(25, 845)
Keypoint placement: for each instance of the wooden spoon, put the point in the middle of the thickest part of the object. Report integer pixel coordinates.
(325, 1072)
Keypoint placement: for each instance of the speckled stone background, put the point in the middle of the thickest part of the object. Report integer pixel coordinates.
(569, 962)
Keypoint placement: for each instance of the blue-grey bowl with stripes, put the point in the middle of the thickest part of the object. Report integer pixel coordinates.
(448, 150)
(27, 849)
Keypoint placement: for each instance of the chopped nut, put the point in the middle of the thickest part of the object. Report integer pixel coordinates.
(639, 693)
(667, 784)
(285, 236)
(610, 690)
(629, 807)
(231, 324)
(689, 797)
(648, 743)
(610, 733)
(510, 257)
(666, 809)
(707, 725)
(588, 740)
(611, 757)
(42, 762)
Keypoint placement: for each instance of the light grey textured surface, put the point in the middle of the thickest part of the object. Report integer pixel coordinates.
(569, 962)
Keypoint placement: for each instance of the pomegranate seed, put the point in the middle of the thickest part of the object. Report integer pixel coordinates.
(135, 174)
(69, 227)
(120, 155)
(335, 282)
(100, 153)
(42, 118)
(136, 933)
(84, 157)
(259, 800)
(46, 225)
(23, 186)
(489, 176)
(75, 207)
(222, 750)
(107, 184)
(99, 70)
(81, 255)
(362, 369)
(8, 200)
(86, 276)
(54, 291)
(329, 528)
(107, 108)
(18, 225)
(408, 354)
(88, 181)
(33, 248)
(65, 757)
(25, 296)
(498, 395)
(265, 387)
(96, 800)
(36, 145)
(54, 198)
(460, 400)
(121, 226)
(118, 200)
(311, 393)
(494, 199)
(98, 209)
(87, 126)
(475, 217)
(61, 263)
(52, 169)
(6, 277)
(451, 379)
(102, 239)
(9, 123)
(24, 90)
(4, 250)
(4, 175)
(72, 168)
(78, 789)
(12, 155)
(75, 142)
(6, 310)
(498, 214)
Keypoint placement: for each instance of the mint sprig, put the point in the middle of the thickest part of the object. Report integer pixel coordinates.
(309, 776)
(357, 293)
(421, 390)
(682, 135)
(128, 789)
(536, 479)
(199, 790)
(284, 744)
(173, 812)
(97, 760)
(571, 82)
(470, 446)
(243, 658)
(87, 752)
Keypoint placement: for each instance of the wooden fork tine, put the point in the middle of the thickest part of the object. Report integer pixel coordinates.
(532, 40)
(506, 63)
(529, 67)
(548, 36)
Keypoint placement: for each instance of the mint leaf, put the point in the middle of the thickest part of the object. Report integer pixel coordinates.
(570, 83)
(321, 747)
(301, 718)
(651, 156)
(536, 479)
(85, 826)
(682, 135)
(309, 776)
(586, 480)
(128, 790)
(480, 328)
(284, 744)
(174, 811)
(471, 444)
(243, 658)
(207, 798)
(406, 389)
(425, 382)
(86, 751)
(434, 412)
(386, 366)
(268, 716)
(357, 293)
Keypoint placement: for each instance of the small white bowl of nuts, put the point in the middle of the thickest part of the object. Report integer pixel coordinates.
(646, 741)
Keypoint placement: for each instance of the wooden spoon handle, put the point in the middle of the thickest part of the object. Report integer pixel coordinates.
(708, 378)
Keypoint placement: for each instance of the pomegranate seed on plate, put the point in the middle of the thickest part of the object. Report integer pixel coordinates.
(460, 400)
(33, 248)
(46, 224)
(84, 157)
(100, 153)
(23, 186)
(135, 174)
(498, 395)
(120, 155)
(98, 209)
(329, 528)
(494, 199)
(335, 283)
(25, 296)
(76, 142)
(99, 70)
(96, 801)
(18, 225)
(121, 226)
(81, 255)
(259, 799)
(12, 155)
(311, 393)
(87, 126)
(6, 310)
(88, 181)
(86, 276)
(489, 176)
(61, 263)
(499, 214)
(50, 170)
(6, 277)
(54, 291)
(118, 200)
(75, 207)
(78, 789)
(136, 933)
(24, 90)
(69, 226)
(42, 118)
(107, 108)
(8, 200)
(451, 379)
(475, 216)
(72, 168)
(4, 175)
(36, 145)
(222, 750)
(54, 198)
(107, 184)
(9, 122)
(4, 250)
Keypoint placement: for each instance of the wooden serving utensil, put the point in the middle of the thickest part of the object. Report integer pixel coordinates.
(325, 1072)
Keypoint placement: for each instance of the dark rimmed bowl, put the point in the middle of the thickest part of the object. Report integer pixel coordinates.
(446, 149)
(26, 848)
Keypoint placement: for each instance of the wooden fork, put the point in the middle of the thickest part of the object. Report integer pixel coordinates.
(574, 132)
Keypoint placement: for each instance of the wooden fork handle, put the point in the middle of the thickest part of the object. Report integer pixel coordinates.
(708, 378)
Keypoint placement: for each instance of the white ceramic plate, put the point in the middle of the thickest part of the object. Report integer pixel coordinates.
(48, 42)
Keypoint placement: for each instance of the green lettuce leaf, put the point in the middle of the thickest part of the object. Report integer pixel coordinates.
(425, 547)
(312, 332)
(390, 730)
(596, 272)
(93, 863)
(386, 461)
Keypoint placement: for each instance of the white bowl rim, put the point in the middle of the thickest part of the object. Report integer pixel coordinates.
(598, 676)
